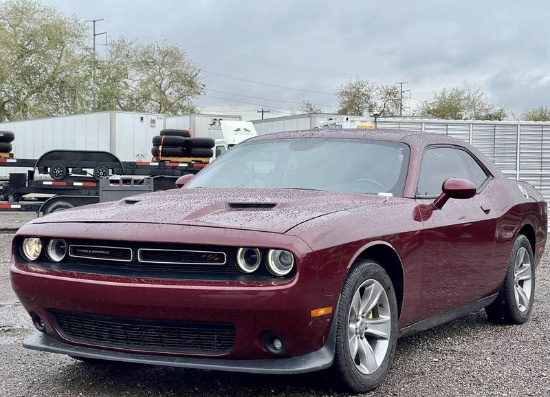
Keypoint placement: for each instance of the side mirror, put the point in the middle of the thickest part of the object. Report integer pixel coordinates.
(183, 180)
(457, 189)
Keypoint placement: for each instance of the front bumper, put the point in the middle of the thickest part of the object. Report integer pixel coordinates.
(310, 362)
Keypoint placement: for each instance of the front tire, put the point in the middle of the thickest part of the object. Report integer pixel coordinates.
(366, 333)
(515, 299)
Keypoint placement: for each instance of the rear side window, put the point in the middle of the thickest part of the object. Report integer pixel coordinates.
(441, 163)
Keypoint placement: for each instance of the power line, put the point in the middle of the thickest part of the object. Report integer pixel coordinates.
(247, 103)
(253, 58)
(268, 84)
(264, 99)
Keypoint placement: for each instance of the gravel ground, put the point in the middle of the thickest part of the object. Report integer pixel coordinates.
(466, 357)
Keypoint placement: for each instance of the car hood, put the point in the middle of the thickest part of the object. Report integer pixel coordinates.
(275, 211)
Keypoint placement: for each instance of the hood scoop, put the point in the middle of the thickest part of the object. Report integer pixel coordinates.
(250, 206)
(129, 201)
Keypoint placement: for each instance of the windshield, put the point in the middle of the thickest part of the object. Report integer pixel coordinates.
(340, 165)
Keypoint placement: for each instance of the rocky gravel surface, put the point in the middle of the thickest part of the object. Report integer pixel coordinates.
(466, 357)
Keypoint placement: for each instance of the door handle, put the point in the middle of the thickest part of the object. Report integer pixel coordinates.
(485, 208)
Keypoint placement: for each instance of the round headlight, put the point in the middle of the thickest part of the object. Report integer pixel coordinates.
(248, 259)
(56, 250)
(280, 262)
(31, 248)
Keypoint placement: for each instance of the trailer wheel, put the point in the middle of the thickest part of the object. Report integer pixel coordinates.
(101, 172)
(58, 171)
(58, 206)
(6, 136)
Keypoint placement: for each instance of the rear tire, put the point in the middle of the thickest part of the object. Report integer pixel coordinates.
(515, 299)
(366, 332)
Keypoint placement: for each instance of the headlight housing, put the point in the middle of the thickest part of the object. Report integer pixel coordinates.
(248, 259)
(56, 250)
(280, 262)
(31, 248)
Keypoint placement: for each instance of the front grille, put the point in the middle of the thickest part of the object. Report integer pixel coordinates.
(101, 252)
(182, 257)
(145, 335)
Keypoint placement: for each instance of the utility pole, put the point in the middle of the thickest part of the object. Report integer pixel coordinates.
(402, 91)
(94, 62)
(262, 112)
(94, 34)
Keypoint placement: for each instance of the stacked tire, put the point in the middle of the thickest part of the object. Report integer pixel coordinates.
(6, 139)
(178, 144)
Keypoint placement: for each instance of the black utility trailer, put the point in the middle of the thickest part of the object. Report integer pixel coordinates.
(62, 179)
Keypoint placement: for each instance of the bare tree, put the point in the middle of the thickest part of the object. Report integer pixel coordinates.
(309, 108)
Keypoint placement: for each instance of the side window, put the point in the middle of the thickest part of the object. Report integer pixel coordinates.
(441, 163)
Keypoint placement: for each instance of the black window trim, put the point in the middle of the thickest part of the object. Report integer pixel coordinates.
(488, 173)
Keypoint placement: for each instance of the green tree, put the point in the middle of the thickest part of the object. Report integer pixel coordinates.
(114, 84)
(542, 113)
(40, 61)
(309, 108)
(356, 97)
(47, 68)
(360, 97)
(389, 100)
(167, 80)
(460, 104)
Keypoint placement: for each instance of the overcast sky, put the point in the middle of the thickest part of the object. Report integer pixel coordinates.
(272, 55)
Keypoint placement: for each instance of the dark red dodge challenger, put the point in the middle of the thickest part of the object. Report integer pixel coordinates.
(292, 252)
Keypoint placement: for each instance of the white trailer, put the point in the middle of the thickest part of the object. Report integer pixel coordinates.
(127, 135)
(297, 122)
(201, 125)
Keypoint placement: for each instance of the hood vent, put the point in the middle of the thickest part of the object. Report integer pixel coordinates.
(250, 206)
(130, 201)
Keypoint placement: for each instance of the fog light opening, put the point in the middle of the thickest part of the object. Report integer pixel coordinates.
(274, 344)
(38, 323)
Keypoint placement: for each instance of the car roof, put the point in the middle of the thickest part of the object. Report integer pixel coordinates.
(412, 137)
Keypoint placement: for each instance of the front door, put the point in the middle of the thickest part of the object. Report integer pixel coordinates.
(459, 239)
